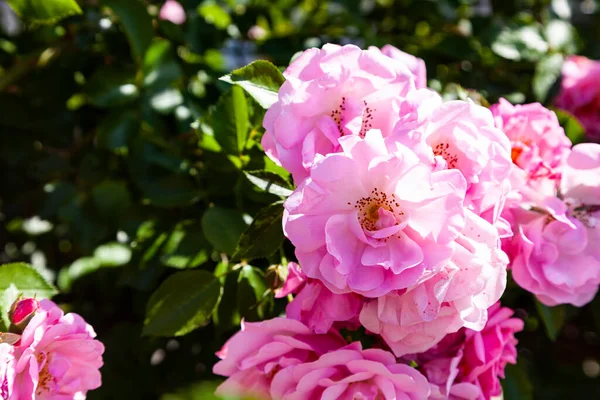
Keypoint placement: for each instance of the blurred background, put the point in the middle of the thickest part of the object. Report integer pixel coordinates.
(114, 175)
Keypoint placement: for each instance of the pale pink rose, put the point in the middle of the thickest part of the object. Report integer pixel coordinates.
(253, 356)
(580, 92)
(7, 370)
(468, 364)
(350, 373)
(461, 135)
(555, 253)
(57, 357)
(458, 296)
(315, 305)
(370, 221)
(172, 11)
(329, 93)
(539, 146)
(414, 64)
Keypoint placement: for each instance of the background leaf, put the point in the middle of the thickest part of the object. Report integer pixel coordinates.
(182, 303)
(553, 317)
(45, 11)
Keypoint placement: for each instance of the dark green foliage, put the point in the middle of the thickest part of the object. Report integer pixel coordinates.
(133, 178)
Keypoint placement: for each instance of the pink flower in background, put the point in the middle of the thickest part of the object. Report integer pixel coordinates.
(57, 357)
(555, 252)
(172, 11)
(468, 364)
(253, 356)
(315, 305)
(370, 221)
(580, 92)
(350, 373)
(329, 93)
(539, 146)
(414, 64)
(458, 296)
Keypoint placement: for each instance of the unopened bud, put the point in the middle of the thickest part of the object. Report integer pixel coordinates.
(22, 311)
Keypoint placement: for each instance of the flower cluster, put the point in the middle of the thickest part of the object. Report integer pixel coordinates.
(55, 355)
(407, 212)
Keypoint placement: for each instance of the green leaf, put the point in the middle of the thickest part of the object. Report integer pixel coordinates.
(520, 43)
(115, 130)
(250, 292)
(230, 121)
(214, 14)
(45, 11)
(160, 66)
(186, 246)
(26, 279)
(182, 303)
(260, 79)
(80, 267)
(112, 254)
(264, 236)
(226, 315)
(553, 317)
(223, 227)
(547, 72)
(516, 385)
(137, 23)
(9, 296)
(270, 182)
(111, 198)
(573, 128)
(109, 87)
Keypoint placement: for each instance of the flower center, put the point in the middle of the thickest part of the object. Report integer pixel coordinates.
(45, 378)
(443, 150)
(336, 115)
(584, 214)
(367, 120)
(378, 210)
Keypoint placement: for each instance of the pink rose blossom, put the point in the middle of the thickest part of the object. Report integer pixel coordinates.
(460, 135)
(555, 252)
(414, 64)
(57, 357)
(370, 221)
(329, 93)
(350, 373)
(468, 364)
(172, 11)
(539, 145)
(459, 295)
(580, 92)
(7, 370)
(315, 305)
(253, 356)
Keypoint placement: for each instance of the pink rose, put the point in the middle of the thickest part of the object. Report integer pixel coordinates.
(172, 11)
(414, 64)
(580, 92)
(371, 221)
(7, 370)
(57, 357)
(458, 296)
(539, 145)
(253, 356)
(468, 364)
(459, 135)
(329, 93)
(315, 305)
(350, 373)
(555, 253)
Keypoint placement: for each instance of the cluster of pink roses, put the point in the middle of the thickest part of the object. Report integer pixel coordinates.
(403, 221)
(54, 357)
